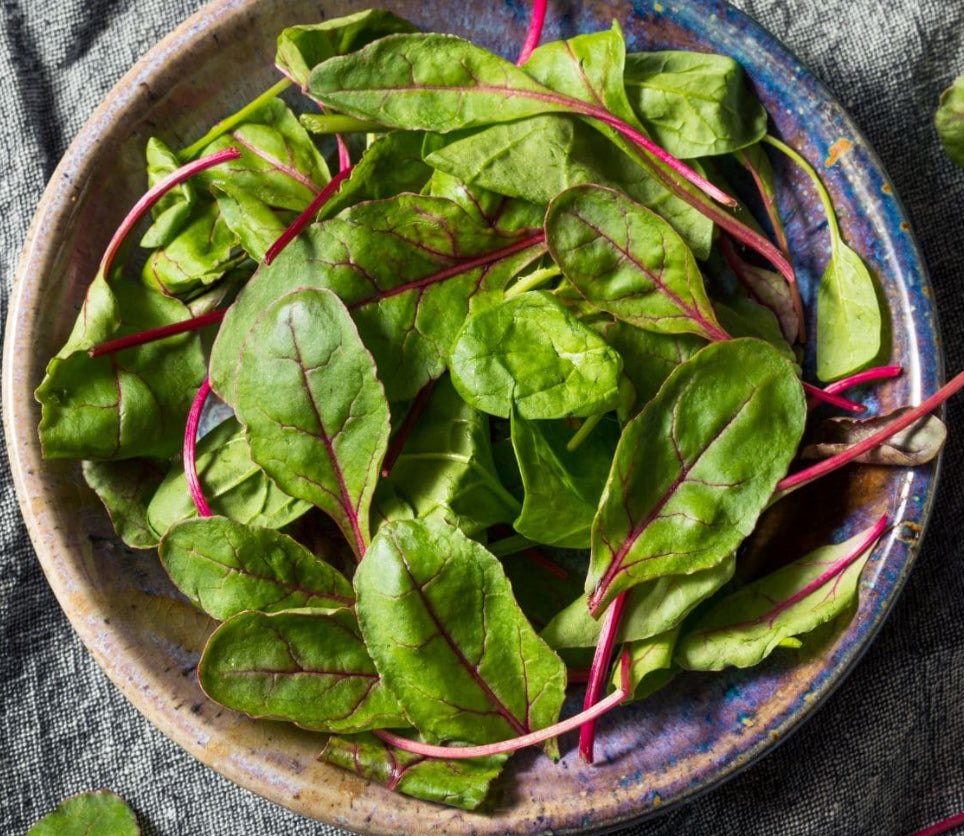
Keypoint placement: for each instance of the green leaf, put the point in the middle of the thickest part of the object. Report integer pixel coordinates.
(950, 120)
(746, 627)
(740, 316)
(431, 83)
(696, 467)
(309, 667)
(279, 164)
(628, 261)
(102, 813)
(537, 158)
(324, 440)
(694, 105)
(650, 664)
(651, 608)
(226, 567)
(447, 636)
(392, 164)
(530, 352)
(410, 269)
(254, 224)
(132, 403)
(126, 489)
(848, 315)
(462, 783)
(302, 47)
(171, 212)
(445, 469)
(918, 444)
(562, 487)
(234, 486)
(484, 206)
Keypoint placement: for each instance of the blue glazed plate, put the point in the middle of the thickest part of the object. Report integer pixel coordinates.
(687, 737)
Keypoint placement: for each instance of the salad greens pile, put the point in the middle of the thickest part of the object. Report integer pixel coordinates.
(519, 342)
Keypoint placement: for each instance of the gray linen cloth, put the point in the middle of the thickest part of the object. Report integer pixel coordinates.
(884, 755)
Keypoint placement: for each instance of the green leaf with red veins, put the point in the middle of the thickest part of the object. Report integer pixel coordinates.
(234, 486)
(625, 259)
(696, 467)
(102, 813)
(410, 269)
(652, 607)
(533, 354)
(254, 223)
(449, 639)
(746, 627)
(302, 47)
(457, 783)
(918, 444)
(126, 489)
(488, 207)
(309, 667)
(325, 439)
(650, 664)
(225, 567)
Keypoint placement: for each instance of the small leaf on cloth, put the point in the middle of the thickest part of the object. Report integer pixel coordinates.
(950, 120)
(309, 667)
(696, 467)
(325, 440)
(457, 783)
(449, 639)
(93, 814)
(530, 352)
(225, 567)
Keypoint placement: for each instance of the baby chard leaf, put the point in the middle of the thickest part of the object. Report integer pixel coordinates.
(696, 467)
(102, 813)
(562, 487)
(918, 444)
(126, 489)
(651, 607)
(410, 269)
(457, 783)
(172, 211)
(309, 667)
(746, 627)
(650, 664)
(324, 441)
(447, 636)
(226, 567)
(446, 469)
(626, 260)
(234, 486)
(530, 352)
(693, 104)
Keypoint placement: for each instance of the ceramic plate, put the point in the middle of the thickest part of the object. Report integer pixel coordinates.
(652, 754)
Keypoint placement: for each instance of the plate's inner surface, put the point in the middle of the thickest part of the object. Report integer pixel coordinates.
(694, 732)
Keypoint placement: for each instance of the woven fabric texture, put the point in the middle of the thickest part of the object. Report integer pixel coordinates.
(882, 756)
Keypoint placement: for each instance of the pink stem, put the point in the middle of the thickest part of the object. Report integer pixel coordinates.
(344, 158)
(398, 442)
(535, 31)
(818, 394)
(831, 464)
(306, 217)
(597, 674)
(942, 826)
(878, 373)
(157, 333)
(515, 743)
(154, 194)
(190, 445)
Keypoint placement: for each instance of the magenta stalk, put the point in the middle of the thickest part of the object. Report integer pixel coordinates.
(831, 464)
(307, 216)
(536, 23)
(190, 448)
(461, 752)
(818, 394)
(155, 334)
(598, 673)
(154, 194)
(869, 376)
